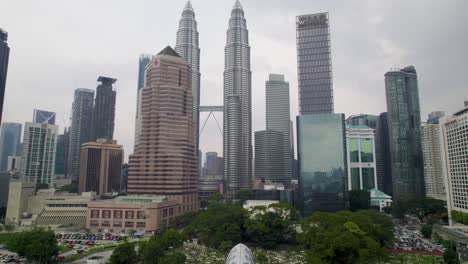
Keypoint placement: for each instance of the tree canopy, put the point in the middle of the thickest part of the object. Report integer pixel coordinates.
(124, 254)
(359, 200)
(38, 245)
(155, 249)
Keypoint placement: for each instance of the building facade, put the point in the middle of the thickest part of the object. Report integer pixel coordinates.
(39, 151)
(101, 167)
(269, 156)
(104, 109)
(433, 157)
(211, 165)
(10, 137)
(278, 119)
(164, 161)
(143, 214)
(314, 65)
(143, 62)
(455, 136)
(80, 130)
(42, 116)
(404, 130)
(363, 120)
(237, 130)
(321, 144)
(4, 56)
(360, 145)
(187, 47)
(382, 155)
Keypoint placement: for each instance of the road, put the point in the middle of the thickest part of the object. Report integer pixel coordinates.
(105, 254)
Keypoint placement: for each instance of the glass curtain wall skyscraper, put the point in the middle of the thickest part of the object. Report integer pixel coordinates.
(404, 130)
(104, 109)
(4, 56)
(237, 106)
(9, 143)
(314, 65)
(42, 116)
(187, 47)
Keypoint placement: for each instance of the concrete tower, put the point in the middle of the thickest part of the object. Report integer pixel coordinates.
(187, 48)
(237, 105)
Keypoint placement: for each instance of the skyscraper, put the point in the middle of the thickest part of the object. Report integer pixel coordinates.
(164, 161)
(278, 119)
(269, 156)
(42, 116)
(404, 130)
(187, 47)
(9, 143)
(314, 65)
(101, 167)
(80, 131)
(321, 153)
(211, 164)
(433, 156)
(382, 155)
(104, 109)
(237, 106)
(40, 144)
(143, 61)
(4, 55)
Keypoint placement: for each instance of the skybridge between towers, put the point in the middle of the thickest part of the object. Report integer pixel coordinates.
(211, 109)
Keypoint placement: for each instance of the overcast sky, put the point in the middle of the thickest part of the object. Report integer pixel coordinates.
(58, 46)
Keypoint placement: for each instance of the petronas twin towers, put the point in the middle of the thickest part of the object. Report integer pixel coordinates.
(237, 94)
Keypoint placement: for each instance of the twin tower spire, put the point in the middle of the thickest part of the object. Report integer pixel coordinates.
(237, 134)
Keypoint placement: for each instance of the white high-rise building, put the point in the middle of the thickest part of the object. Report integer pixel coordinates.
(187, 47)
(39, 147)
(237, 105)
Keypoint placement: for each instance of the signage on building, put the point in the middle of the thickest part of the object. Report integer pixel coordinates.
(312, 21)
(156, 62)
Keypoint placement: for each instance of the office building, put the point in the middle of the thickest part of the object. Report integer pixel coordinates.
(164, 161)
(10, 137)
(43, 117)
(104, 109)
(60, 156)
(321, 145)
(363, 120)
(237, 120)
(4, 55)
(143, 214)
(101, 167)
(433, 156)
(208, 186)
(362, 171)
(382, 155)
(455, 137)
(269, 156)
(80, 130)
(124, 179)
(278, 119)
(40, 146)
(314, 65)
(211, 163)
(187, 47)
(404, 131)
(143, 61)
(18, 194)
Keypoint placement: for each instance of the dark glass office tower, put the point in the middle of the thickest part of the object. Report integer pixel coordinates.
(4, 54)
(382, 155)
(404, 131)
(269, 156)
(9, 143)
(142, 63)
(321, 150)
(104, 109)
(43, 117)
(314, 66)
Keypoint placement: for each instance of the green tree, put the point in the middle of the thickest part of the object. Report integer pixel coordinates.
(216, 197)
(244, 195)
(450, 254)
(131, 232)
(9, 227)
(261, 258)
(173, 258)
(154, 249)
(38, 245)
(426, 231)
(359, 200)
(124, 254)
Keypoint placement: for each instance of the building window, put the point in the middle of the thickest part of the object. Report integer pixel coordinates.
(164, 212)
(368, 178)
(94, 213)
(117, 224)
(171, 211)
(118, 214)
(129, 215)
(367, 150)
(141, 224)
(129, 224)
(106, 214)
(94, 223)
(141, 215)
(355, 179)
(105, 223)
(353, 150)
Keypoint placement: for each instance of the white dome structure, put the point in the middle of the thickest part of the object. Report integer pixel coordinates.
(240, 254)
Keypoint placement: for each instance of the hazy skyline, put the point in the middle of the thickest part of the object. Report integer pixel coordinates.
(59, 46)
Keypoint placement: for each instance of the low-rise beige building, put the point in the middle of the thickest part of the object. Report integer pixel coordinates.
(18, 195)
(144, 214)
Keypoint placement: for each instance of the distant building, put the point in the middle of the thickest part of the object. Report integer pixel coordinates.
(433, 156)
(363, 120)
(104, 109)
(269, 156)
(382, 155)
(380, 199)
(10, 137)
(211, 164)
(314, 64)
(43, 117)
(18, 194)
(360, 142)
(61, 155)
(143, 62)
(278, 119)
(4, 55)
(404, 130)
(40, 146)
(208, 186)
(80, 130)
(164, 161)
(455, 136)
(4, 189)
(321, 144)
(101, 167)
(144, 214)
(124, 179)
(240, 254)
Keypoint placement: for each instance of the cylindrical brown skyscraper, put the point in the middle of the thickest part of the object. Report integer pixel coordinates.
(164, 162)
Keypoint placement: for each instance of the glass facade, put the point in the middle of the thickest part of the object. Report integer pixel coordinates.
(353, 150)
(322, 162)
(355, 179)
(367, 150)
(368, 181)
(314, 64)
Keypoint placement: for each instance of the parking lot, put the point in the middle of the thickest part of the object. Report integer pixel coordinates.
(407, 238)
(79, 242)
(10, 257)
